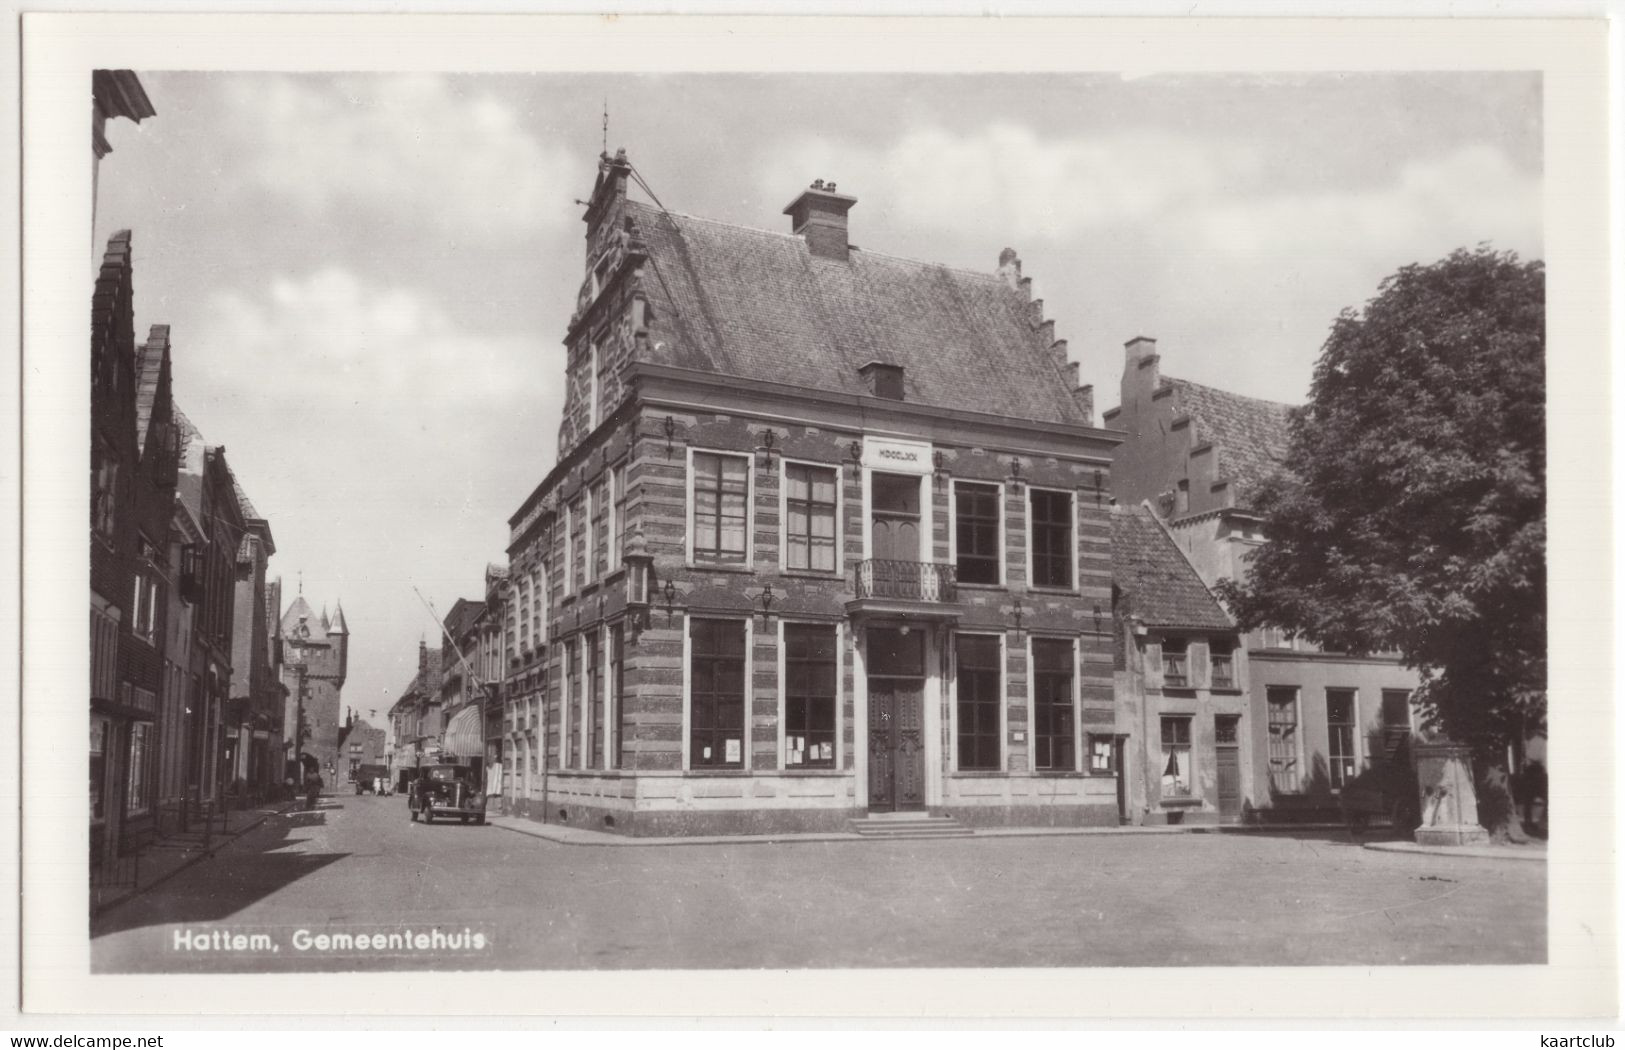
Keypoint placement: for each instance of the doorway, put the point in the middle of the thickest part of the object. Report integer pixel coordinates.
(896, 678)
(1227, 754)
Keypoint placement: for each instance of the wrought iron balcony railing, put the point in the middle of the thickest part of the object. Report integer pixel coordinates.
(920, 581)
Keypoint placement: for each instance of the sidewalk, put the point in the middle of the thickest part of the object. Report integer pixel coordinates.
(177, 851)
(1533, 850)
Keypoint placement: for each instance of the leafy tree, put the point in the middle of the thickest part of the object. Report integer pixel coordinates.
(1409, 515)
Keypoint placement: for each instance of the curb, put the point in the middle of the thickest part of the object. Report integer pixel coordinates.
(1475, 852)
(187, 863)
(576, 837)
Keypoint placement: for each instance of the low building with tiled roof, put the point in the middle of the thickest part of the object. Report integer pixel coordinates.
(827, 537)
(1181, 683)
(1198, 455)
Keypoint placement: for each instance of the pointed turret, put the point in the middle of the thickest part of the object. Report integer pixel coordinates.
(338, 626)
(325, 624)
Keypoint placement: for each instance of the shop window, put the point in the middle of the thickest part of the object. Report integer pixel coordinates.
(976, 532)
(139, 798)
(1176, 664)
(1222, 661)
(978, 675)
(809, 696)
(1050, 529)
(719, 507)
(1053, 722)
(716, 729)
(1283, 726)
(810, 525)
(1176, 757)
(1341, 739)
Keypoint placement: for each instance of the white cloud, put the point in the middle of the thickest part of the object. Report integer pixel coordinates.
(412, 150)
(1026, 187)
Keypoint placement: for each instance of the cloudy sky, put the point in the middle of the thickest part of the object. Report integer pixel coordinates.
(368, 277)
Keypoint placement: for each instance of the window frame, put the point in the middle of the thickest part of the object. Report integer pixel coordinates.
(1072, 537)
(617, 516)
(1183, 650)
(835, 763)
(594, 713)
(785, 463)
(953, 529)
(1270, 723)
(744, 766)
(1032, 703)
(1231, 682)
(1003, 672)
(615, 694)
(569, 574)
(1190, 755)
(1353, 727)
(598, 559)
(689, 537)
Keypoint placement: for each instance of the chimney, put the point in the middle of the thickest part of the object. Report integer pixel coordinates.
(423, 655)
(819, 215)
(1139, 348)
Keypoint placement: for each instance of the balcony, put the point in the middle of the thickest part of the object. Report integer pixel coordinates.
(912, 588)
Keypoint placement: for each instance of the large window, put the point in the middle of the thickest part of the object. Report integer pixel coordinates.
(721, 490)
(1053, 725)
(139, 798)
(524, 609)
(809, 524)
(593, 644)
(580, 543)
(978, 676)
(617, 515)
(572, 695)
(103, 489)
(144, 603)
(1283, 726)
(99, 730)
(1176, 757)
(538, 605)
(976, 532)
(600, 531)
(1051, 543)
(716, 713)
(1342, 757)
(617, 691)
(1176, 666)
(809, 696)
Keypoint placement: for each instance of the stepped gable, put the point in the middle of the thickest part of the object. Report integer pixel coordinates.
(1163, 588)
(149, 368)
(760, 305)
(1250, 433)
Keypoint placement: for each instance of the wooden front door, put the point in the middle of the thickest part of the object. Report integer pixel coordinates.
(1227, 751)
(896, 743)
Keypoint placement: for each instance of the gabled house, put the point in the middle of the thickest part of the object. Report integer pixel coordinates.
(827, 539)
(414, 727)
(1181, 684)
(1197, 455)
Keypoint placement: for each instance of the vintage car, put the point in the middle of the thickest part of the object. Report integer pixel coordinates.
(447, 791)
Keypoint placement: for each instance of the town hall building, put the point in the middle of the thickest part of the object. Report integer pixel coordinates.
(827, 545)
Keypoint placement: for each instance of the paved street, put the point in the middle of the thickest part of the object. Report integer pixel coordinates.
(399, 895)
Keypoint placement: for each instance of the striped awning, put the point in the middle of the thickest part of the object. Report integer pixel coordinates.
(465, 735)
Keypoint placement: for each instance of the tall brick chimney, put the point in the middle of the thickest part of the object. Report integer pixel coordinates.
(819, 215)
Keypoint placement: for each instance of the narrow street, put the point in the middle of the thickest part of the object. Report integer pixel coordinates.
(357, 867)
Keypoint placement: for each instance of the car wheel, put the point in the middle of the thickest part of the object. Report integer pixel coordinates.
(480, 820)
(428, 816)
(414, 816)
(462, 820)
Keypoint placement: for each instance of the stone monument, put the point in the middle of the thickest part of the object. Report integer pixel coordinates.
(1449, 805)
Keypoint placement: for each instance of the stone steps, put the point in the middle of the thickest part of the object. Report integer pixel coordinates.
(909, 826)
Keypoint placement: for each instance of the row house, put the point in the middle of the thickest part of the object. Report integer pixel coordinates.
(1197, 455)
(461, 704)
(414, 727)
(133, 449)
(829, 539)
(1181, 685)
(254, 722)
